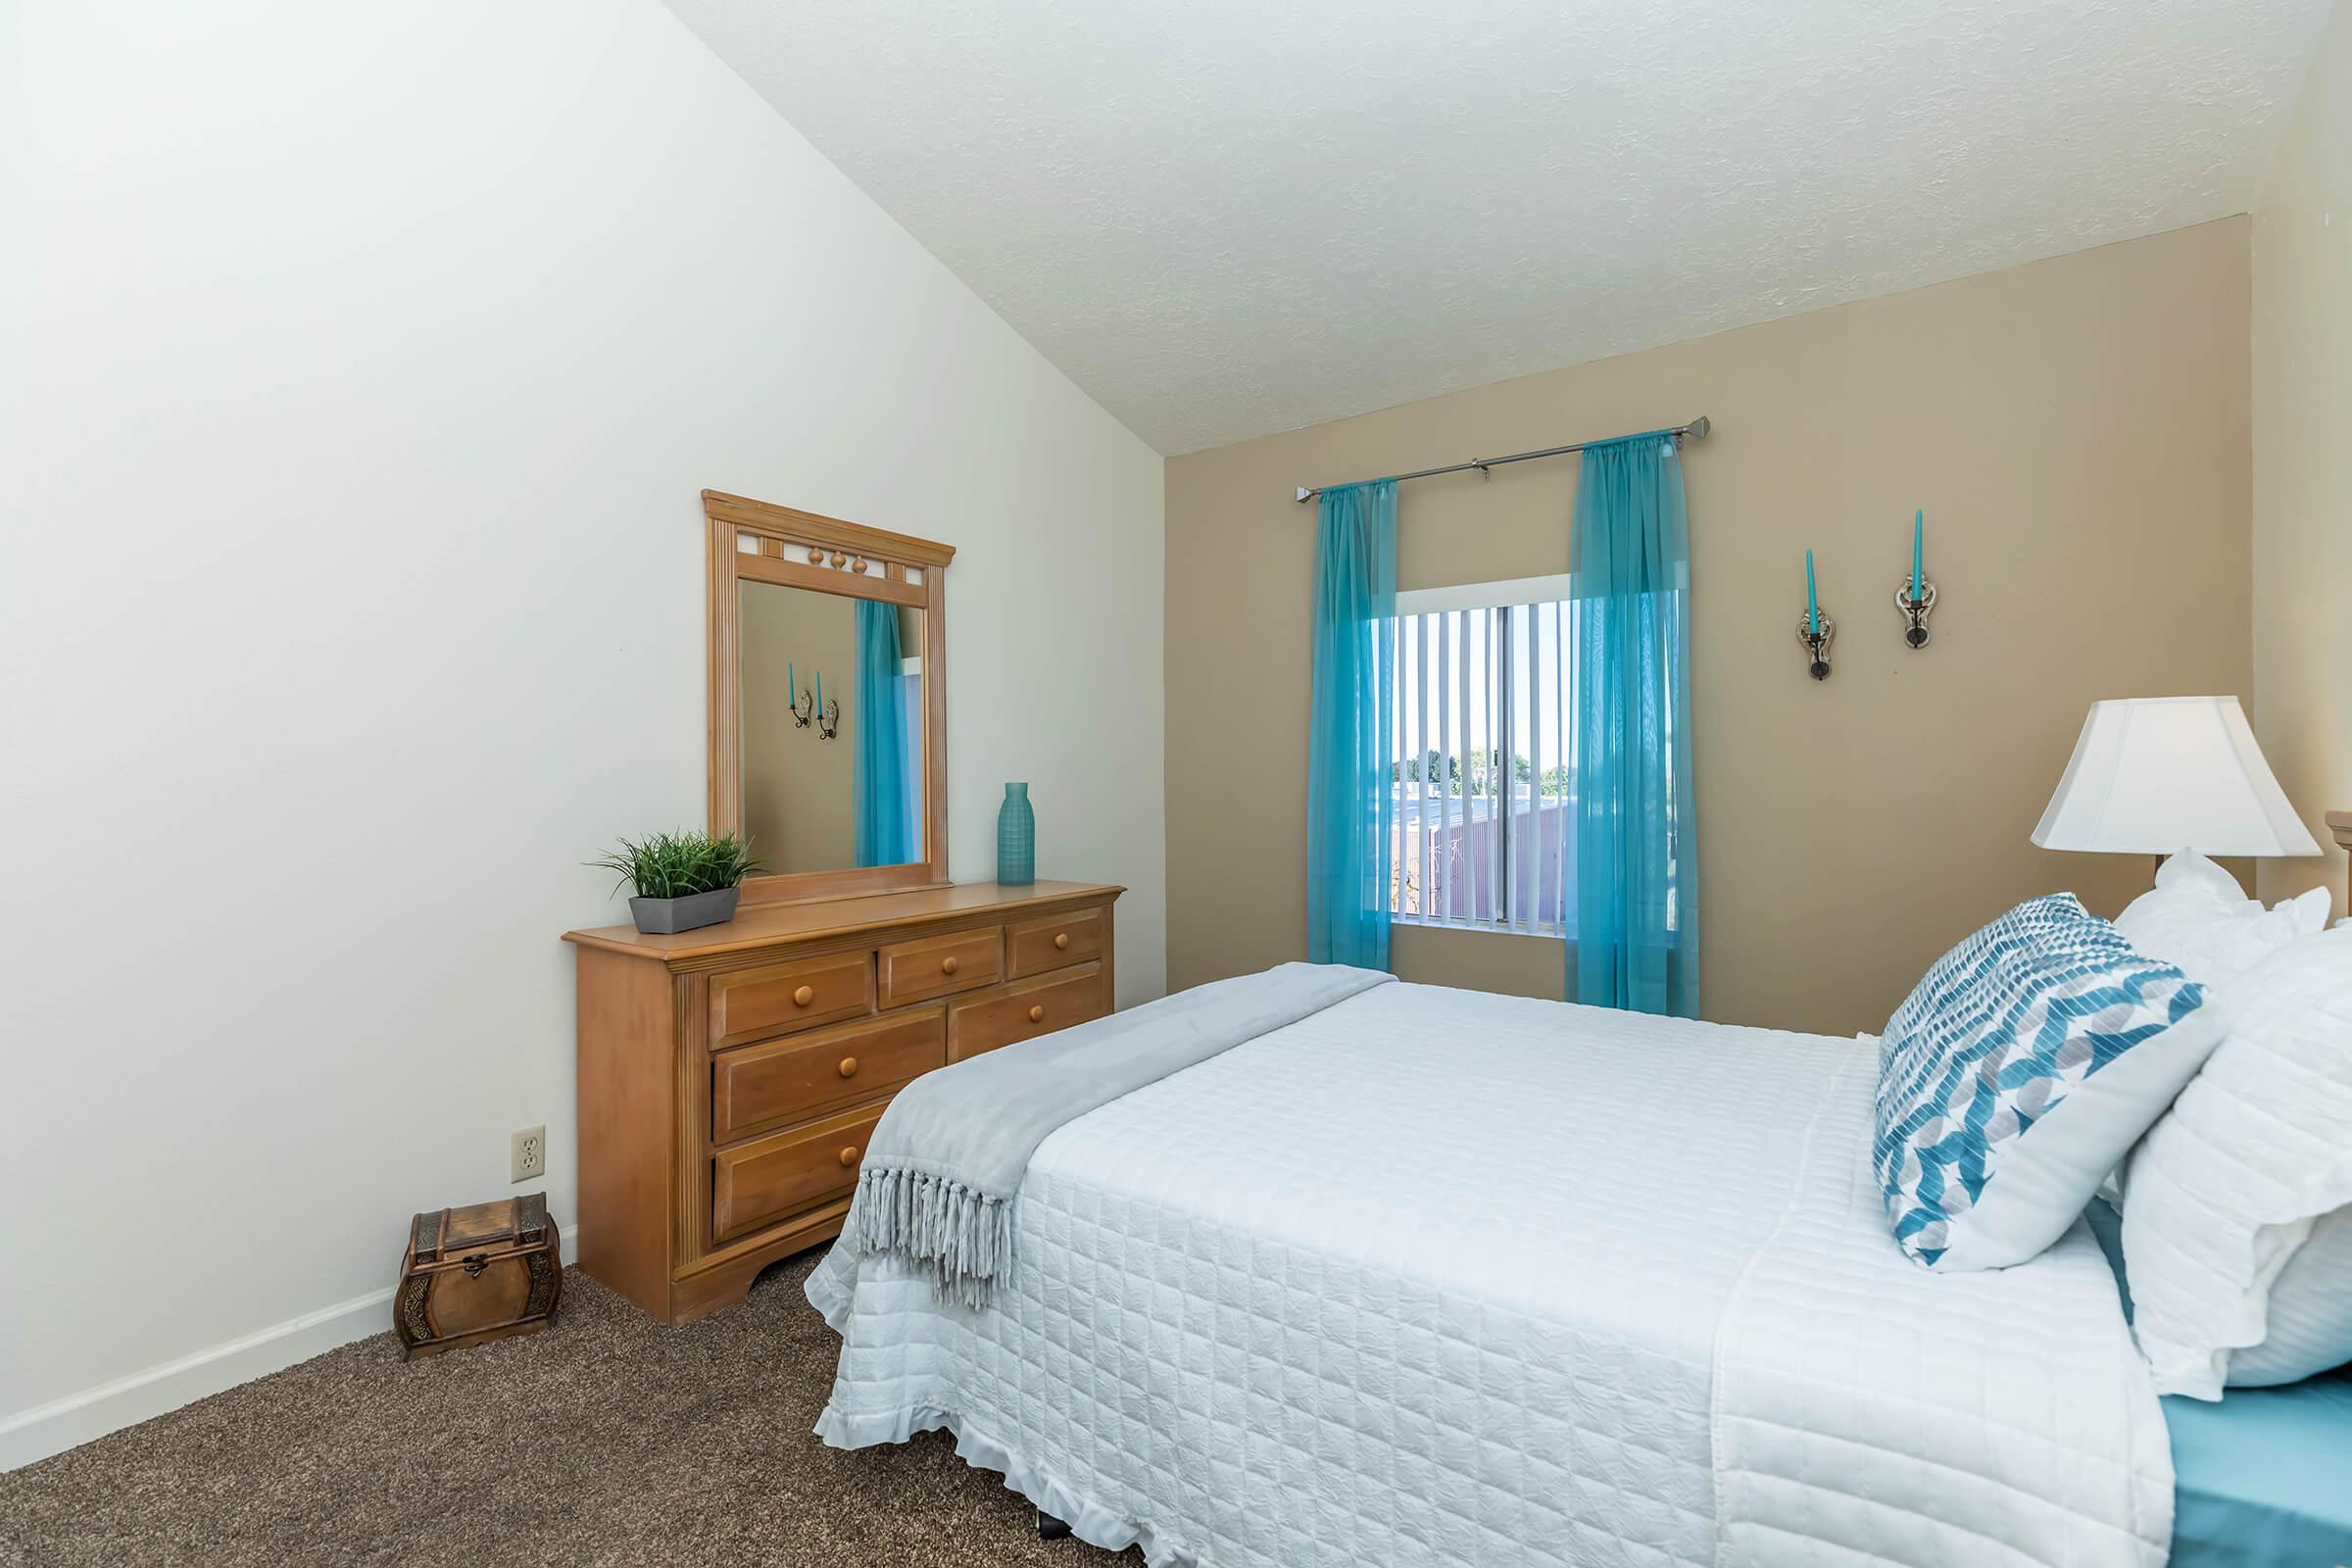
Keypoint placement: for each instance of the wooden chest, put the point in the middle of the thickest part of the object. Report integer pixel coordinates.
(729, 1077)
(477, 1273)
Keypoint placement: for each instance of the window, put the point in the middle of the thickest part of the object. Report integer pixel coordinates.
(1483, 783)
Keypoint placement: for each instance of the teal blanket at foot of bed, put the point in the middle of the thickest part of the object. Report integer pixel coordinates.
(2261, 1477)
(2264, 1475)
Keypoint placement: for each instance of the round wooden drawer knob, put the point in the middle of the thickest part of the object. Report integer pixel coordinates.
(1061, 939)
(849, 1156)
(1037, 1015)
(848, 1066)
(947, 966)
(804, 995)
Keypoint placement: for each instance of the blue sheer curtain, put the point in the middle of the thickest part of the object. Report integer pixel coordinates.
(880, 772)
(1350, 807)
(1637, 861)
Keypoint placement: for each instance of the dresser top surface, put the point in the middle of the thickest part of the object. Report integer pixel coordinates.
(769, 924)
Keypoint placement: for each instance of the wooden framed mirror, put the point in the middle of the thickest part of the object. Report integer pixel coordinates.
(828, 700)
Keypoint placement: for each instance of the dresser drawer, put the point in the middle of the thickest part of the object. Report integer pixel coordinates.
(747, 1004)
(803, 1075)
(939, 966)
(770, 1178)
(1056, 943)
(1024, 1010)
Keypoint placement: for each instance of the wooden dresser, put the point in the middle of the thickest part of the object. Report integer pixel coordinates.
(729, 1077)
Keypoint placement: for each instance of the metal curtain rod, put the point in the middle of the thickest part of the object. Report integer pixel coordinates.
(1696, 430)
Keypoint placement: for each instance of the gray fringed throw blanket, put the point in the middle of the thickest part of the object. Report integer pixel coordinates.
(941, 1170)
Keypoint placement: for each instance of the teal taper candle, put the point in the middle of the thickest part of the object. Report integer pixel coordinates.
(1812, 605)
(1919, 525)
(792, 693)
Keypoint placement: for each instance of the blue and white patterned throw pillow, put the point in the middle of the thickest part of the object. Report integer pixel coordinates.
(2017, 1076)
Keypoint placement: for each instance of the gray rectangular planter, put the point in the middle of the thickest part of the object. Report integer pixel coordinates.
(667, 916)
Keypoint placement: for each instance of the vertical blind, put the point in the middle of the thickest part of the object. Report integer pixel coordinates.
(1485, 729)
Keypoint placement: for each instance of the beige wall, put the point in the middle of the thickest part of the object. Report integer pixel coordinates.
(800, 789)
(2078, 433)
(2303, 461)
(800, 800)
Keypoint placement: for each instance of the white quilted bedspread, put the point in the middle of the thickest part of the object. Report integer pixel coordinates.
(1443, 1277)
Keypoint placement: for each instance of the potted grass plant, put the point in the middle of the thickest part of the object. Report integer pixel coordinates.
(682, 880)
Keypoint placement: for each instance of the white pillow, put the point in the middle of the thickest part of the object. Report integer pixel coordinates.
(2237, 1237)
(2310, 1323)
(2199, 920)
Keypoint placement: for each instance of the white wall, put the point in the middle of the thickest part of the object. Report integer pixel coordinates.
(360, 367)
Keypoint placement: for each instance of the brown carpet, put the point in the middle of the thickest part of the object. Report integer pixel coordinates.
(607, 1439)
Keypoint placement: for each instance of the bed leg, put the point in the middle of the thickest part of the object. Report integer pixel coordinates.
(1050, 1528)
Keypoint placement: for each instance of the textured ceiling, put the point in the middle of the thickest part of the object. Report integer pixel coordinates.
(1227, 217)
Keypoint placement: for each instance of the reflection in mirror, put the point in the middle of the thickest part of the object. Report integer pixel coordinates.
(832, 729)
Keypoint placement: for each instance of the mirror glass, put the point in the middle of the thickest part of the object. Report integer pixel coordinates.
(832, 729)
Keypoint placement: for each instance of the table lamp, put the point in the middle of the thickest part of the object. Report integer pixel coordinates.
(2155, 775)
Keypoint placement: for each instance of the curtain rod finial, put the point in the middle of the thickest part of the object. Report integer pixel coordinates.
(1304, 493)
(1698, 427)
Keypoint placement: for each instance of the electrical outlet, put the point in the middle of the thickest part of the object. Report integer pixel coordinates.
(528, 1156)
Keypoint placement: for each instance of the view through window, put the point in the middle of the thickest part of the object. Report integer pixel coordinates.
(1483, 778)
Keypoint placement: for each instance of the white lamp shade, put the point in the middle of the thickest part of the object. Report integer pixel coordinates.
(2151, 775)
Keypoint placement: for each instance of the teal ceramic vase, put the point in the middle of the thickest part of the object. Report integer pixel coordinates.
(1016, 838)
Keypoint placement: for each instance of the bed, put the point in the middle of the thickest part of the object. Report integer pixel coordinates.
(1438, 1276)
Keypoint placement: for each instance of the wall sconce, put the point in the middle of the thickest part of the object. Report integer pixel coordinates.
(1815, 630)
(800, 700)
(1915, 596)
(810, 703)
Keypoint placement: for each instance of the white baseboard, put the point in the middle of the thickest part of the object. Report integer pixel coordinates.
(66, 1423)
